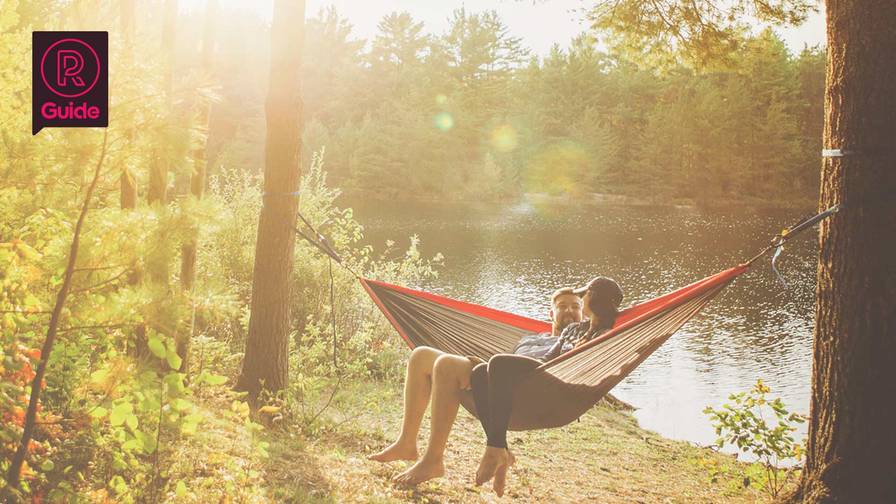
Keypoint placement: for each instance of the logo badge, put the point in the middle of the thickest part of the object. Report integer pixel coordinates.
(70, 79)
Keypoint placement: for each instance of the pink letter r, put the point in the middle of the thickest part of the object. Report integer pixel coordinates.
(69, 63)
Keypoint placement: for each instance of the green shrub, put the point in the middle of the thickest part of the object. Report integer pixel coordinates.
(743, 424)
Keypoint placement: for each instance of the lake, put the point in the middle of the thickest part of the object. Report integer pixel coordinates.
(512, 257)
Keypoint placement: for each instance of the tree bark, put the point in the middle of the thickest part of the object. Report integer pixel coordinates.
(851, 451)
(265, 362)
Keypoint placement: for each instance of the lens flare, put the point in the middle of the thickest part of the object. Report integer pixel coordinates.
(443, 121)
(504, 138)
(441, 99)
(561, 167)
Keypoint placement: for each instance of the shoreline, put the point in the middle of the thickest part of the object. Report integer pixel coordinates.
(593, 199)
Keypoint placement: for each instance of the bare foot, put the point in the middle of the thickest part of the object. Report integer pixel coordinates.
(501, 475)
(492, 459)
(396, 451)
(420, 472)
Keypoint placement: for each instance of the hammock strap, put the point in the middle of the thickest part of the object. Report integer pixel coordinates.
(317, 239)
(324, 246)
(787, 233)
(777, 242)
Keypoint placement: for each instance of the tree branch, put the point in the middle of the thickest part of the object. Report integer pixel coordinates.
(15, 466)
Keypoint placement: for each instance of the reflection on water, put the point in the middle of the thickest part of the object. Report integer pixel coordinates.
(513, 257)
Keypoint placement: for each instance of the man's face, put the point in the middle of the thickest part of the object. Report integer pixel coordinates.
(567, 309)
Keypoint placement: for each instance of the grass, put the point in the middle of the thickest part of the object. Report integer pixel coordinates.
(605, 457)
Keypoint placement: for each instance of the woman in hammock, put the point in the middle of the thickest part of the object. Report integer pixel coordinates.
(493, 382)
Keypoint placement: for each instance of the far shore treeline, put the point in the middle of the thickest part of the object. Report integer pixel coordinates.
(472, 113)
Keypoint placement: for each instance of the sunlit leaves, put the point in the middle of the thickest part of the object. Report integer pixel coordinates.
(157, 347)
(120, 412)
(743, 424)
(702, 32)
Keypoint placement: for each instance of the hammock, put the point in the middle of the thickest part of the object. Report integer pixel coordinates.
(560, 390)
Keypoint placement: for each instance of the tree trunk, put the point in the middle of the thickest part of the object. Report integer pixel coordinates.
(157, 193)
(197, 177)
(197, 184)
(128, 198)
(127, 181)
(158, 180)
(267, 344)
(158, 170)
(851, 452)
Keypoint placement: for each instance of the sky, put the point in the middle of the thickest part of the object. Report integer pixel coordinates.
(540, 23)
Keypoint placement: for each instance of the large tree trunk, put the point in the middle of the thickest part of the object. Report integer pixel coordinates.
(851, 456)
(267, 343)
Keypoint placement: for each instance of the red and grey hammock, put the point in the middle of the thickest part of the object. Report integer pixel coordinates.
(560, 390)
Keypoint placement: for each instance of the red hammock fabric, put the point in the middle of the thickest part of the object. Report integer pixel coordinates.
(382, 294)
(561, 390)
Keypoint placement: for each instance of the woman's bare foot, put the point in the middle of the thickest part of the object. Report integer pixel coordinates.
(420, 472)
(492, 459)
(501, 475)
(396, 451)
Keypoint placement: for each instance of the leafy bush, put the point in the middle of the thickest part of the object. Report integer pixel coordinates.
(743, 424)
(364, 345)
(115, 406)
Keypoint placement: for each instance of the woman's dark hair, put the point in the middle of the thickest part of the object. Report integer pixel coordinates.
(605, 298)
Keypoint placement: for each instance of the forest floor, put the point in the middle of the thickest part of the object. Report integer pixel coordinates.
(605, 457)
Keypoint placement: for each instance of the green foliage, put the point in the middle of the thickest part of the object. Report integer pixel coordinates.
(467, 115)
(743, 425)
(470, 114)
(701, 33)
(107, 418)
(364, 345)
(463, 114)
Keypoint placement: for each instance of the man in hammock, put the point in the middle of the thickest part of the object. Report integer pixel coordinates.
(446, 377)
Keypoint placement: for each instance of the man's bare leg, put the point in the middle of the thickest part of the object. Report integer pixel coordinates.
(451, 374)
(417, 389)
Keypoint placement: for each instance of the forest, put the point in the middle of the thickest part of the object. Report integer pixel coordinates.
(180, 313)
(472, 114)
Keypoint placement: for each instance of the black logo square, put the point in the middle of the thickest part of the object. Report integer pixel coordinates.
(70, 79)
